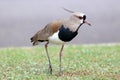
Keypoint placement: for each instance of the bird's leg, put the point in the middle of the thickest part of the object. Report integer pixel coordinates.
(50, 65)
(60, 56)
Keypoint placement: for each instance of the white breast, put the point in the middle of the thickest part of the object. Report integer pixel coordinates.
(55, 39)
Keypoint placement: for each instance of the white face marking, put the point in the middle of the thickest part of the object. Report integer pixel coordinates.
(73, 22)
(79, 14)
(55, 39)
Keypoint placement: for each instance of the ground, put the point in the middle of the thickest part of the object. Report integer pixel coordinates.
(85, 62)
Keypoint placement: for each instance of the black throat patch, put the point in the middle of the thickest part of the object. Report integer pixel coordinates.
(65, 34)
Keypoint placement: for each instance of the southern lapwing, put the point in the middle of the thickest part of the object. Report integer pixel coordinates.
(60, 32)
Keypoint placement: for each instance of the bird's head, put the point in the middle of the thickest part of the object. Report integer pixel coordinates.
(81, 17)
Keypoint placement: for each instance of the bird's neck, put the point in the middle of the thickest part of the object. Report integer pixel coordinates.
(73, 23)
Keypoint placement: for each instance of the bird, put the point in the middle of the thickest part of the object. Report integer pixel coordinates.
(60, 32)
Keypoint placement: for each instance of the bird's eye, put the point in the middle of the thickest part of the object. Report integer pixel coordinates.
(80, 17)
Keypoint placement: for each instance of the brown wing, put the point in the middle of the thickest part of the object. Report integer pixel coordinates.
(43, 34)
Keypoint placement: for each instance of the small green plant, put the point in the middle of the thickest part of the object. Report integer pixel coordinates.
(79, 62)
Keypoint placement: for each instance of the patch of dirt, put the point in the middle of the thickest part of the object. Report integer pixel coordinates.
(77, 73)
(114, 76)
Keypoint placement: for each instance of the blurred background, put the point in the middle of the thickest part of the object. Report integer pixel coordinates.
(21, 19)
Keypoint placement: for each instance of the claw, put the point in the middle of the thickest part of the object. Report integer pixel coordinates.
(50, 69)
(60, 73)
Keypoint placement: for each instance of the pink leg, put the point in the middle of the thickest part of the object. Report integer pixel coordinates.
(50, 65)
(60, 55)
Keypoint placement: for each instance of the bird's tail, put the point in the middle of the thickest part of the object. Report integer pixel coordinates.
(34, 41)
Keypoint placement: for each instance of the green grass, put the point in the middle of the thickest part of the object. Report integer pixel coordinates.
(79, 62)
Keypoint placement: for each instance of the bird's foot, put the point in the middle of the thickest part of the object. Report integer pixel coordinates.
(60, 73)
(50, 69)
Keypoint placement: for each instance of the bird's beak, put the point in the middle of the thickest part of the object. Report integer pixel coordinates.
(87, 23)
